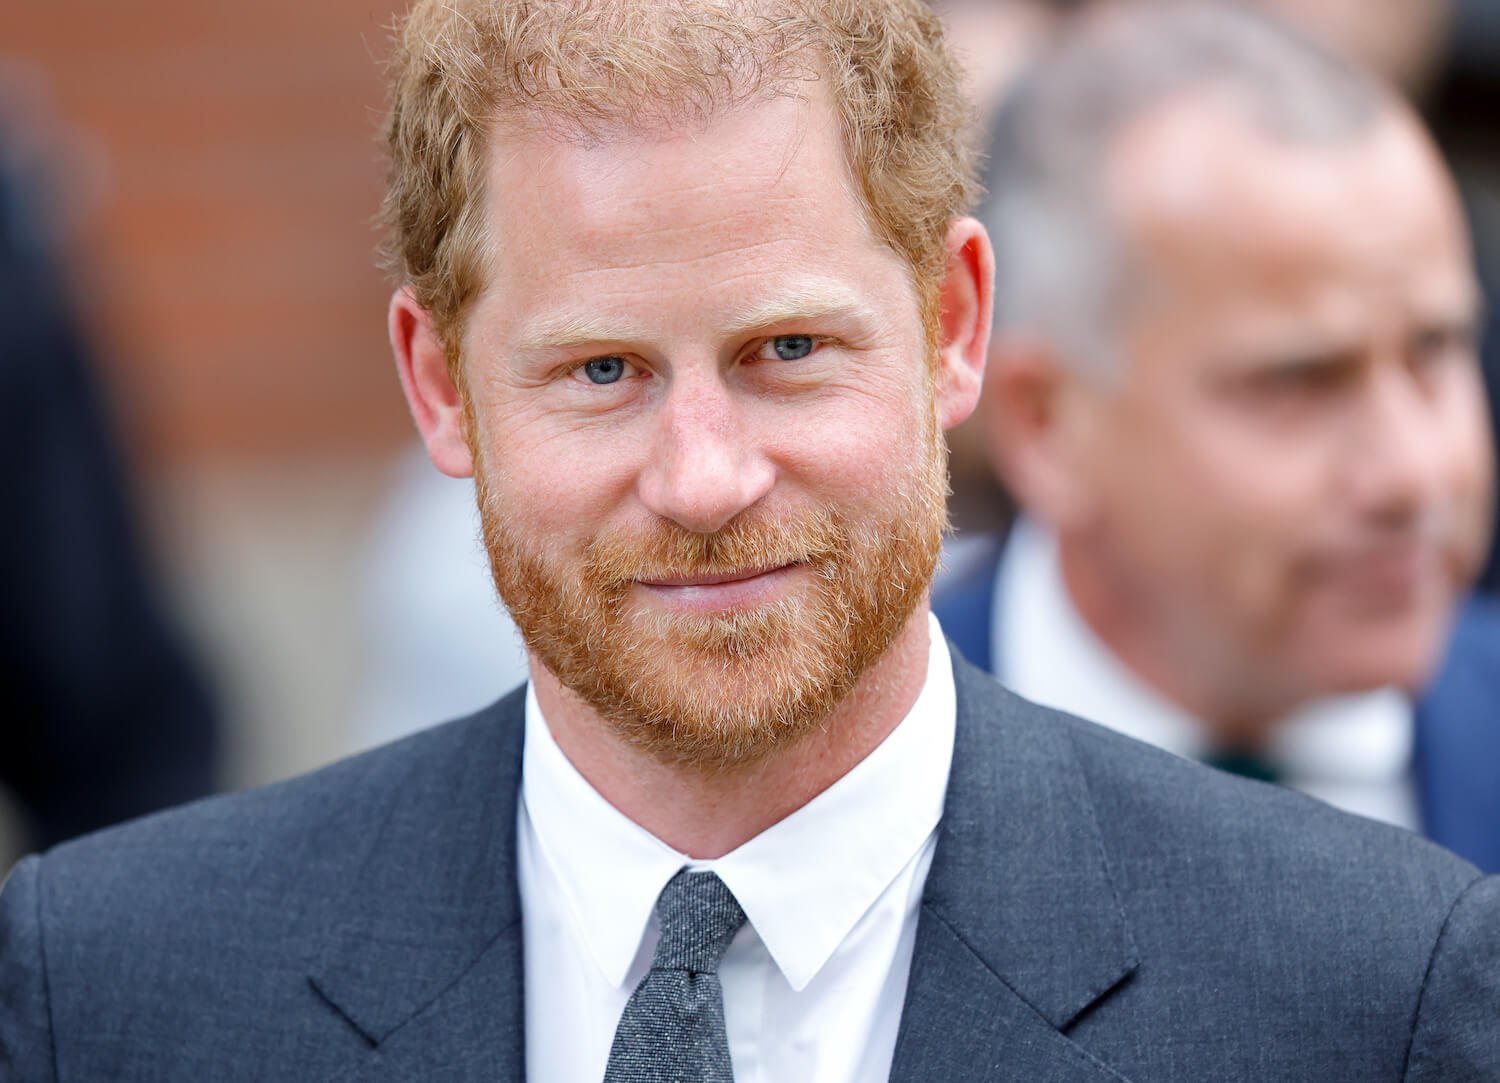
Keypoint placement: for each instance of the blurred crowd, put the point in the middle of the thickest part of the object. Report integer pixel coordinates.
(1231, 488)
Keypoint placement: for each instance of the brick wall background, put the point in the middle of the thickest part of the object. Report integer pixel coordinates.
(230, 173)
(216, 167)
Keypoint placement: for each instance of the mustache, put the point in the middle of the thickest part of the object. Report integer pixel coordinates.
(752, 540)
(1436, 527)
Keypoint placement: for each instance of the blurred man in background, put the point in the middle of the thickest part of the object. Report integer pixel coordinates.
(1234, 388)
(1406, 42)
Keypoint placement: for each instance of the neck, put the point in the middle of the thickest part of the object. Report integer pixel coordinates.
(707, 813)
(1186, 670)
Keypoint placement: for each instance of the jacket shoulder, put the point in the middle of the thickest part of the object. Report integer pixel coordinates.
(1149, 802)
(303, 831)
(183, 938)
(1477, 629)
(1247, 908)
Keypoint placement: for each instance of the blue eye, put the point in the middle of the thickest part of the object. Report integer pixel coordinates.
(792, 347)
(604, 370)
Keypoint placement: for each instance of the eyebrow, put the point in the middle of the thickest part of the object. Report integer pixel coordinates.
(812, 302)
(570, 331)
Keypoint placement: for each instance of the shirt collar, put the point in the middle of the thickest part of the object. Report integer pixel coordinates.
(1046, 652)
(803, 883)
(609, 869)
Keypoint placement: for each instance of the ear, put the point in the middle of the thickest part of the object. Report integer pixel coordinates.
(1041, 418)
(964, 297)
(436, 404)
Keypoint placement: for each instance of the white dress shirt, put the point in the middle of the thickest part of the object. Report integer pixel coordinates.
(1352, 751)
(813, 983)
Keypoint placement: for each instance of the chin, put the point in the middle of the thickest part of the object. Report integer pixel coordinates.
(1344, 647)
(1401, 658)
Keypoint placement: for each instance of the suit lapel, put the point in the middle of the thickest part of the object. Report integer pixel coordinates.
(1020, 930)
(472, 1031)
(963, 1022)
(427, 965)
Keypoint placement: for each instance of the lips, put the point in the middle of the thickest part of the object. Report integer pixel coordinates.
(713, 579)
(718, 593)
(1394, 574)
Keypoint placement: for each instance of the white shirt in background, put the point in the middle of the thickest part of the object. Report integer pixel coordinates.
(813, 983)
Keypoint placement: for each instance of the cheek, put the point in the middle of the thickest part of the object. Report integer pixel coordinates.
(1473, 449)
(854, 444)
(554, 482)
(1470, 476)
(1213, 507)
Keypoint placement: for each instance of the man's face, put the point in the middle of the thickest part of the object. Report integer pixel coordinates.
(702, 418)
(1292, 477)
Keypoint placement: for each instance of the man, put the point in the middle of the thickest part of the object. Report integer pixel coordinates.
(688, 286)
(1234, 388)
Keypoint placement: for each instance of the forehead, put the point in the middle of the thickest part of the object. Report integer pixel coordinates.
(764, 184)
(1203, 198)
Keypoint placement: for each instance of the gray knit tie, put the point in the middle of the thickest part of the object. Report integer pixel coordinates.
(673, 1027)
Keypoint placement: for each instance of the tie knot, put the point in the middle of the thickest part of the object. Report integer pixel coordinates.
(698, 916)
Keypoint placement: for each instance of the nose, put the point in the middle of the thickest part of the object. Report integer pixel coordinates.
(706, 464)
(1400, 458)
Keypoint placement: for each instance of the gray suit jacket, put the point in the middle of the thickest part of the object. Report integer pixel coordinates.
(1096, 910)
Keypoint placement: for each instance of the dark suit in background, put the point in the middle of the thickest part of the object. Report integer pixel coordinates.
(104, 715)
(1096, 910)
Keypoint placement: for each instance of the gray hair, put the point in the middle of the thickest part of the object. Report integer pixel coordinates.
(1061, 270)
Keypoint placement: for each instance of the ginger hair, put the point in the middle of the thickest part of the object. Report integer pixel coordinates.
(581, 68)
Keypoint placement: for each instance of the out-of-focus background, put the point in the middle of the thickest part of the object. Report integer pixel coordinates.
(1443, 54)
(209, 174)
